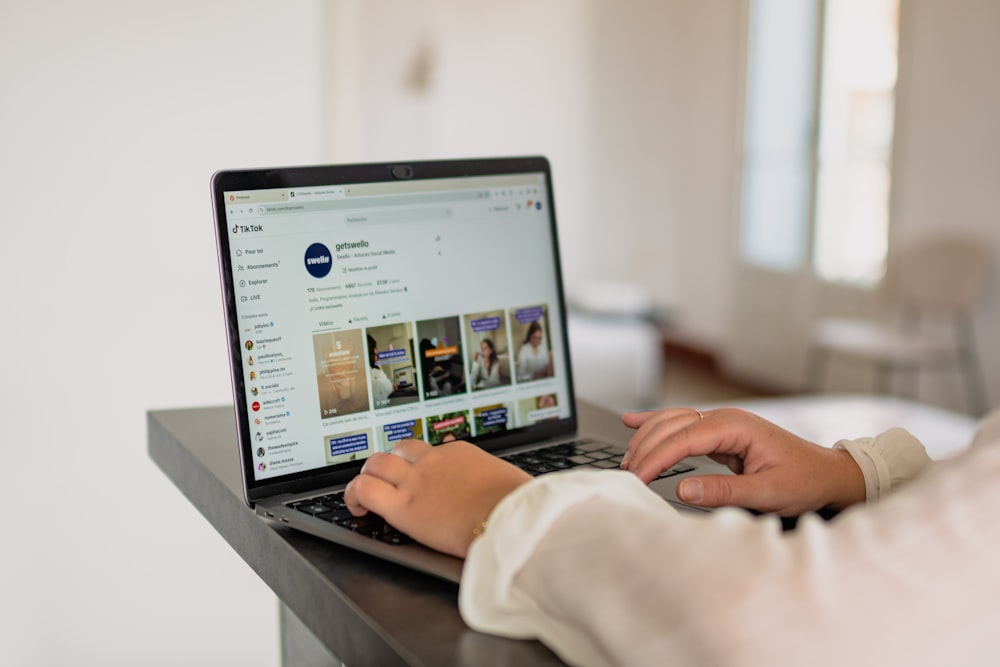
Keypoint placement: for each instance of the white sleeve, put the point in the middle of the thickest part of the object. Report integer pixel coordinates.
(522, 362)
(888, 461)
(606, 573)
(381, 386)
(475, 372)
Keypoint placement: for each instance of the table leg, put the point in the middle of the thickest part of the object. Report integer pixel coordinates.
(299, 646)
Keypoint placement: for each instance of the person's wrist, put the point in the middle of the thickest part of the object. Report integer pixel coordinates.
(846, 481)
(489, 501)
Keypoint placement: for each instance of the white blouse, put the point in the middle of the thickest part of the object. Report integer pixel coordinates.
(531, 361)
(482, 378)
(604, 572)
(381, 387)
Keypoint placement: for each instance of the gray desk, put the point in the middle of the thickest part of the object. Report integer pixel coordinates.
(334, 602)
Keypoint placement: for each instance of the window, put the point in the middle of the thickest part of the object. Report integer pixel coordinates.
(820, 99)
(778, 132)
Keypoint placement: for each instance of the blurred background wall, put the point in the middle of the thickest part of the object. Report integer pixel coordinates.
(113, 115)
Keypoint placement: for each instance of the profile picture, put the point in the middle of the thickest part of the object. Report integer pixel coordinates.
(262, 466)
(254, 391)
(253, 375)
(260, 452)
(259, 436)
(249, 345)
(249, 361)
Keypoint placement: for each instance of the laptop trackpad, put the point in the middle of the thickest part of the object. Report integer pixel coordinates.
(667, 487)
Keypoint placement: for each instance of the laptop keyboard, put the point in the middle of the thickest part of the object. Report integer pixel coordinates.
(581, 453)
(332, 508)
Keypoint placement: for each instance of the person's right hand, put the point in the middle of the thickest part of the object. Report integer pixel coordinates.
(776, 471)
(437, 495)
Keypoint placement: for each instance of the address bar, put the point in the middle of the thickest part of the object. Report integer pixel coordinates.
(352, 204)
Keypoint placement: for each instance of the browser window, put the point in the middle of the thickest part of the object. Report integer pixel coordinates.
(375, 312)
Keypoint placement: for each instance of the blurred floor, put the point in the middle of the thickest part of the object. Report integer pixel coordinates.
(691, 381)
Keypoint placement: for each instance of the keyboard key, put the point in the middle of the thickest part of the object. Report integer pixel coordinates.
(314, 508)
(395, 537)
(339, 514)
(678, 469)
(333, 500)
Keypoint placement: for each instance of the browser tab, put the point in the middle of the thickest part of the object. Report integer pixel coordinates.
(253, 196)
(316, 194)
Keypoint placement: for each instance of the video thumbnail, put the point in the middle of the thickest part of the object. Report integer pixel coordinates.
(530, 330)
(442, 369)
(390, 434)
(448, 426)
(349, 446)
(486, 336)
(390, 365)
(544, 407)
(492, 418)
(340, 373)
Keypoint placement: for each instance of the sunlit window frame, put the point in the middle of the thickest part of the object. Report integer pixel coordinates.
(806, 252)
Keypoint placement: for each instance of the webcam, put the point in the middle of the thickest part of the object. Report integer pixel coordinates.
(402, 171)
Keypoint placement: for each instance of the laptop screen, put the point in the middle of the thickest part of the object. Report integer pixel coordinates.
(363, 312)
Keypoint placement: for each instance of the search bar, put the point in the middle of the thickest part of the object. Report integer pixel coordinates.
(393, 216)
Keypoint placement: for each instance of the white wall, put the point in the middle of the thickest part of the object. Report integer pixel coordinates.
(499, 78)
(113, 116)
(665, 105)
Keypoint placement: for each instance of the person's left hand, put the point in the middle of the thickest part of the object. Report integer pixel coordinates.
(436, 495)
(776, 471)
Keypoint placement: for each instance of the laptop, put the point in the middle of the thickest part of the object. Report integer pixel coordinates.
(370, 303)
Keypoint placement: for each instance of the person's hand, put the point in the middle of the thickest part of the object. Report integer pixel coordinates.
(437, 495)
(776, 471)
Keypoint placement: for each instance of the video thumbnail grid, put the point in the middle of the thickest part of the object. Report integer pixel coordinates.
(401, 374)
